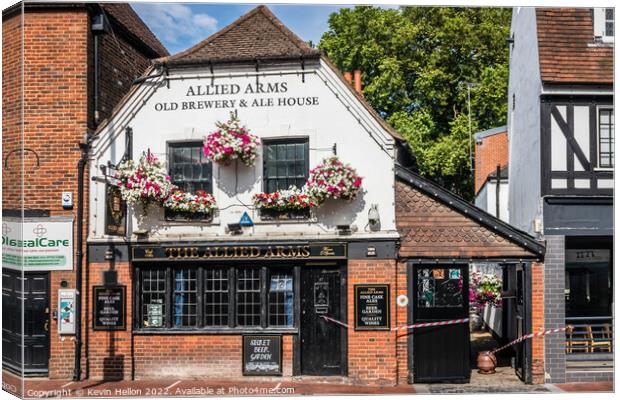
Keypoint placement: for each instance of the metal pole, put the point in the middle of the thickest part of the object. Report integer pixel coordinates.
(469, 85)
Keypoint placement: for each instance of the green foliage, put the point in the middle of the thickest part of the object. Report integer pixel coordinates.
(415, 62)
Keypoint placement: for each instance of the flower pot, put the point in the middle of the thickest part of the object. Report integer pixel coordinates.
(270, 214)
(475, 322)
(486, 362)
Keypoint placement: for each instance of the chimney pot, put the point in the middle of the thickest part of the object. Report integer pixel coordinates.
(357, 77)
(348, 77)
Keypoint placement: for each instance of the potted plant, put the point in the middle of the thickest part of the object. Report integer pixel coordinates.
(333, 179)
(231, 141)
(284, 204)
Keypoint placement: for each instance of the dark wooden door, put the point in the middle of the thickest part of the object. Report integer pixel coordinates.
(322, 350)
(32, 305)
(441, 353)
(520, 322)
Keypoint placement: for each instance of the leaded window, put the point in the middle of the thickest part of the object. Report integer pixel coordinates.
(285, 163)
(189, 168)
(609, 22)
(216, 296)
(153, 294)
(248, 297)
(281, 298)
(606, 137)
(185, 297)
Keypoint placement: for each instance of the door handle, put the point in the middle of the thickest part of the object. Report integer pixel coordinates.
(46, 326)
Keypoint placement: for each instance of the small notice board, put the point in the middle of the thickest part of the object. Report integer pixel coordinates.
(109, 308)
(262, 355)
(372, 307)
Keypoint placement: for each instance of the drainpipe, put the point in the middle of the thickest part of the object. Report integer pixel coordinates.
(77, 371)
(497, 183)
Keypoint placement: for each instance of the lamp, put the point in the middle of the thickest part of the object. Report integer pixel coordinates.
(373, 215)
(234, 229)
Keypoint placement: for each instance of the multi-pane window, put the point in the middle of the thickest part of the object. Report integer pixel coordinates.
(185, 297)
(248, 297)
(281, 298)
(609, 22)
(285, 163)
(153, 297)
(606, 137)
(189, 168)
(217, 297)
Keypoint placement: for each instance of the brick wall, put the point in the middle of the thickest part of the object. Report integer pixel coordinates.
(373, 354)
(538, 322)
(492, 151)
(11, 110)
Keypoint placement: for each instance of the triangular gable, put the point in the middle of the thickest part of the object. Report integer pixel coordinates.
(435, 223)
(256, 35)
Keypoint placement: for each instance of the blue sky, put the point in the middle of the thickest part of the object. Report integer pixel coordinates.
(181, 25)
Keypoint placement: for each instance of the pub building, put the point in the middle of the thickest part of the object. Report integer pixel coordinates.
(246, 289)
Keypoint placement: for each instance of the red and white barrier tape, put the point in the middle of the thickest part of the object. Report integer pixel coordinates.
(413, 326)
(529, 336)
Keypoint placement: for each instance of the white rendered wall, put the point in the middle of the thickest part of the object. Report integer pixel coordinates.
(332, 116)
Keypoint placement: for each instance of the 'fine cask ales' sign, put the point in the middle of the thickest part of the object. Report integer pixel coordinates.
(372, 307)
(262, 355)
(109, 308)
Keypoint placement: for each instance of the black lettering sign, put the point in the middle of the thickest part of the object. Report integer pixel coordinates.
(109, 308)
(115, 212)
(372, 307)
(262, 355)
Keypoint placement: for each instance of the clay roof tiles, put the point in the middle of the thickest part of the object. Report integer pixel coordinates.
(567, 51)
(256, 35)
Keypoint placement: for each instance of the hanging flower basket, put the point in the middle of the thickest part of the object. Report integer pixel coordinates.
(231, 141)
(284, 204)
(145, 182)
(187, 206)
(333, 179)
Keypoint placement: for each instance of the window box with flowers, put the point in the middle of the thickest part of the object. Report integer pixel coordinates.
(182, 206)
(283, 205)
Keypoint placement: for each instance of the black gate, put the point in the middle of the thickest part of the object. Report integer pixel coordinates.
(440, 353)
(323, 343)
(36, 338)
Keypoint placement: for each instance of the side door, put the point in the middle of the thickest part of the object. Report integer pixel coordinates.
(441, 353)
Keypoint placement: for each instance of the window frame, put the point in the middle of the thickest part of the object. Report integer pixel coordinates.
(232, 326)
(598, 138)
(599, 19)
(285, 140)
(171, 144)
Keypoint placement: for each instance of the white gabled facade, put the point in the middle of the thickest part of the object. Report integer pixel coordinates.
(312, 102)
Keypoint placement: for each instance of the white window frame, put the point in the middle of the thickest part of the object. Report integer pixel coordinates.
(598, 138)
(599, 25)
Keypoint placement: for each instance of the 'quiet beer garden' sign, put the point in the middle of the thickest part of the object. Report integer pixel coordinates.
(262, 355)
(372, 307)
(109, 308)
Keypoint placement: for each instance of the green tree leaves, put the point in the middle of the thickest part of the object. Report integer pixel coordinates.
(415, 61)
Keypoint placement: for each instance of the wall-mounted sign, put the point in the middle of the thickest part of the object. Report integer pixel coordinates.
(372, 307)
(37, 244)
(246, 220)
(115, 212)
(109, 308)
(239, 252)
(588, 255)
(262, 355)
(66, 312)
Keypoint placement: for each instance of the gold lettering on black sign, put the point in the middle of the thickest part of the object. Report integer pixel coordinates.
(234, 252)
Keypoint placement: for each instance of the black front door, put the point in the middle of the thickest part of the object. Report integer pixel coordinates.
(520, 308)
(322, 349)
(440, 353)
(34, 300)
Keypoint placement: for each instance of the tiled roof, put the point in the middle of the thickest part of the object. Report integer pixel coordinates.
(256, 35)
(125, 15)
(567, 52)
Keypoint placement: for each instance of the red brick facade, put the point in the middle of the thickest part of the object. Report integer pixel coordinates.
(538, 322)
(491, 151)
(56, 95)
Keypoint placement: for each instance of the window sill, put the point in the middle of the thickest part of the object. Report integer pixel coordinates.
(214, 331)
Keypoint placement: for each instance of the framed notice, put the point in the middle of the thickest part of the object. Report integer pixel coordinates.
(109, 308)
(262, 355)
(372, 307)
(66, 312)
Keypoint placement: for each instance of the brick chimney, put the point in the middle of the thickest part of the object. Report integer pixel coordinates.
(357, 78)
(348, 77)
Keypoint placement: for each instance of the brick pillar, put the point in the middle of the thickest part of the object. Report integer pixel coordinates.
(554, 316)
(538, 323)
